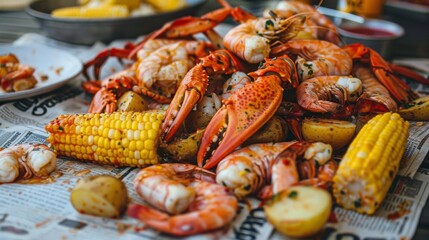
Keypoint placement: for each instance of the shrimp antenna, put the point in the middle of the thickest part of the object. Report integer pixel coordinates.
(273, 14)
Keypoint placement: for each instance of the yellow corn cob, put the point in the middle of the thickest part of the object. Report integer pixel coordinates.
(370, 164)
(167, 5)
(120, 138)
(92, 12)
(131, 4)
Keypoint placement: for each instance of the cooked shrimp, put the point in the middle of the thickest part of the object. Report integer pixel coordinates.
(26, 160)
(325, 28)
(164, 68)
(165, 186)
(317, 94)
(211, 206)
(252, 168)
(252, 39)
(373, 91)
(153, 45)
(316, 58)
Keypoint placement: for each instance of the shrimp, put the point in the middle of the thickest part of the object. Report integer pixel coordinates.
(316, 58)
(317, 94)
(26, 160)
(272, 166)
(373, 91)
(325, 29)
(252, 39)
(153, 45)
(164, 186)
(180, 187)
(164, 68)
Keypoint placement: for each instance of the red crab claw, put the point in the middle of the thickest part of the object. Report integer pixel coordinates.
(399, 89)
(101, 58)
(246, 111)
(194, 86)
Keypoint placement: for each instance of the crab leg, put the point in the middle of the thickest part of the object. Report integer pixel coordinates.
(245, 111)
(101, 58)
(399, 89)
(186, 26)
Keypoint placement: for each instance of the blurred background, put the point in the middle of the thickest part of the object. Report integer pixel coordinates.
(412, 15)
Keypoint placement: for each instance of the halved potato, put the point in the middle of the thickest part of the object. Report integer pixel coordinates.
(275, 130)
(338, 133)
(300, 211)
(103, 195)
(131, 102)
(417, 110)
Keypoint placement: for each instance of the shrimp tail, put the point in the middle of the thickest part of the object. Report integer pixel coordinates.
(143, 213)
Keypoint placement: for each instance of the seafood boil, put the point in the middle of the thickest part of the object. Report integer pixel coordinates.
(278, 109)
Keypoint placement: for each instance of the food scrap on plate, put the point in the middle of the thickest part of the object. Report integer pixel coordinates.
(14, 75)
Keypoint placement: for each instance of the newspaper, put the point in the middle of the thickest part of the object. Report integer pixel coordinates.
(43, 210)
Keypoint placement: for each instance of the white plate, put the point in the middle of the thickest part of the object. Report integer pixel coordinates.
(59, 66)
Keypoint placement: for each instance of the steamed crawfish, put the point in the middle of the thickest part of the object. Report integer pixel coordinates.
(266, 169)
(188, 192)
(26, 160)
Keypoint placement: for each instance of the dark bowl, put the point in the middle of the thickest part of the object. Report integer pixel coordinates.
(89, 31)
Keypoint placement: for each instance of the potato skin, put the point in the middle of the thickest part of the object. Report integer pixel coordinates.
(417, 110)
(183, 149)
(275, 130)
(101, 195)
(335, 132)
(131, 102)
(300, 211)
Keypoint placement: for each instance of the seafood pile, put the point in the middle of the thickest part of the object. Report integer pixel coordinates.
(208, 122)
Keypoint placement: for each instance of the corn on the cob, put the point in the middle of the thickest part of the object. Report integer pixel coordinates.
(92, 12)
(167, 5)
(370, 164)
(120, 138)
(131, 4)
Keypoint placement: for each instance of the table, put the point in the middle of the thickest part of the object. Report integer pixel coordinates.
(15, 24)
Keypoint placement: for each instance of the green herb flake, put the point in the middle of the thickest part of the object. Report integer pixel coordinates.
(293, 194)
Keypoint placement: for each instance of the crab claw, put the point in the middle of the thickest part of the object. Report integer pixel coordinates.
(240, 117)
(192, 88)
(246, 111)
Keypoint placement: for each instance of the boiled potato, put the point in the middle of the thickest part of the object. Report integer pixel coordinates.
(183, 149)
(417, 110)
(275, 130)
(300, 211)
(131, 102)
(335, 132)
(102, 195)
